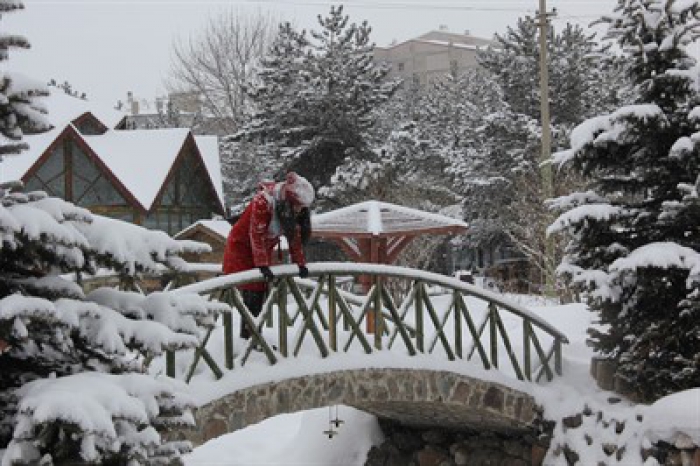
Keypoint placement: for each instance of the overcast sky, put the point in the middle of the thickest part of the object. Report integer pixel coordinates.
(108, 47)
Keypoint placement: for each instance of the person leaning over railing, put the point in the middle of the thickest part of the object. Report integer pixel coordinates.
(276, 209)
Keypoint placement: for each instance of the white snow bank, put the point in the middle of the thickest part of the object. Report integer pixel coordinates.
(673, 417)
(299, 439)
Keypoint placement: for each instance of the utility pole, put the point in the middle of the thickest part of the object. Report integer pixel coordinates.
(545, 163)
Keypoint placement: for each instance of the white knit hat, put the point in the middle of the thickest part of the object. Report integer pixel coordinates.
(298, 190)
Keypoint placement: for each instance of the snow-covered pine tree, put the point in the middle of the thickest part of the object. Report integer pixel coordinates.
(257, 151)
(72, 389)
(574, 67)
(514, 64)
(315, 98)
(19, 111)
(499, 181)
(415, 131)
(504, 199)
(634, 233)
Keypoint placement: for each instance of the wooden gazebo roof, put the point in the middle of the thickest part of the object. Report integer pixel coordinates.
(377, 232)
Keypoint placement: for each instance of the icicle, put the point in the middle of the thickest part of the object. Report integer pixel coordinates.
(330, 432)
(337, 422)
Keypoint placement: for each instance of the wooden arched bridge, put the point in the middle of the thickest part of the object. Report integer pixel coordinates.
(430, 314)
(413, 312)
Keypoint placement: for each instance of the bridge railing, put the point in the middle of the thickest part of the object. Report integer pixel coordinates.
(464, 321)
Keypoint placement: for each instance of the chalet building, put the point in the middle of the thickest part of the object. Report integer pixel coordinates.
(431, 55)
(162, 179)
(212, 232)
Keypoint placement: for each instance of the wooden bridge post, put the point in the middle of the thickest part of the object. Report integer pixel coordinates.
(228, 340)
(376, 313)
(527, 362)
(332, 314)
(283, 318)
(418, 305)
(493, 318)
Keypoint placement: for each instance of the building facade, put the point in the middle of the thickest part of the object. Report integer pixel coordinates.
(431, 55)
(161, 179)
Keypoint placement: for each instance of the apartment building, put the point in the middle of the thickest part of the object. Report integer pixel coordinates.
(432, 54)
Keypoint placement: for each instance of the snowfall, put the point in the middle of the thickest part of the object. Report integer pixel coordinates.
(300, 438)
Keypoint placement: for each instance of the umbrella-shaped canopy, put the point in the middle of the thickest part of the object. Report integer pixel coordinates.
(377, 232)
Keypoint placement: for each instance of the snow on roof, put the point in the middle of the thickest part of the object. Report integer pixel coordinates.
(445, 39)
(140, 159)
(445, 43)
(221, 228)
(209, 148)
(382, 219)
(64, 108)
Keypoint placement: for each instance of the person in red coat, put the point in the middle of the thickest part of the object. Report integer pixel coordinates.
(276, 209)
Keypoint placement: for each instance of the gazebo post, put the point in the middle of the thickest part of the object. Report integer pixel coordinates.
(377, 255)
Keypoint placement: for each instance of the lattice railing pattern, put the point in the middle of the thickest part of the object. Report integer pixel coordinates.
(461, 322)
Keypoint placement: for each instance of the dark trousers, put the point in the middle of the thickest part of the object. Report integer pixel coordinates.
(254, 301)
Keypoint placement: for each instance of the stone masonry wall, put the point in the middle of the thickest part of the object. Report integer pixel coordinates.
(420, 398)
(405, 446)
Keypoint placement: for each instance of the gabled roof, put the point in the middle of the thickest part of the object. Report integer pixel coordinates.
(374, 218)
(64, 108)
(209, 149)
(142, 159)
(220, 228)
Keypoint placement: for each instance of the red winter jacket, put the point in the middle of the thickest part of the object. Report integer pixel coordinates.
(252, 239)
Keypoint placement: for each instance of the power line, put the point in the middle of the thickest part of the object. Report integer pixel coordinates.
(363, 4)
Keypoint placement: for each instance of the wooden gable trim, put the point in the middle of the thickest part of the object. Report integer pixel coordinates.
(89, 116)
(71, 132)
(189, 142)
(45, 155)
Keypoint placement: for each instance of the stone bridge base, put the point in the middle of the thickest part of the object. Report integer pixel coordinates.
(419, 398)
(429, 447)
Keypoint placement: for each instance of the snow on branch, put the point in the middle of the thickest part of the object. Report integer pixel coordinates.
(663, 255)
(184, 312)
(135, 248)
(574, 200)
(115, 417)
(604, 129)
(596, 212)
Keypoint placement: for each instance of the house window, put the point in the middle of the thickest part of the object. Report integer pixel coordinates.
(416, 80)
(401, 66)
(91, 187)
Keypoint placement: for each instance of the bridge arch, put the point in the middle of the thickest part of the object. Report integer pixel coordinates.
(413, 397)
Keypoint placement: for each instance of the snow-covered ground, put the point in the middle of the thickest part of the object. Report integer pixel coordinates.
(299, 438)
